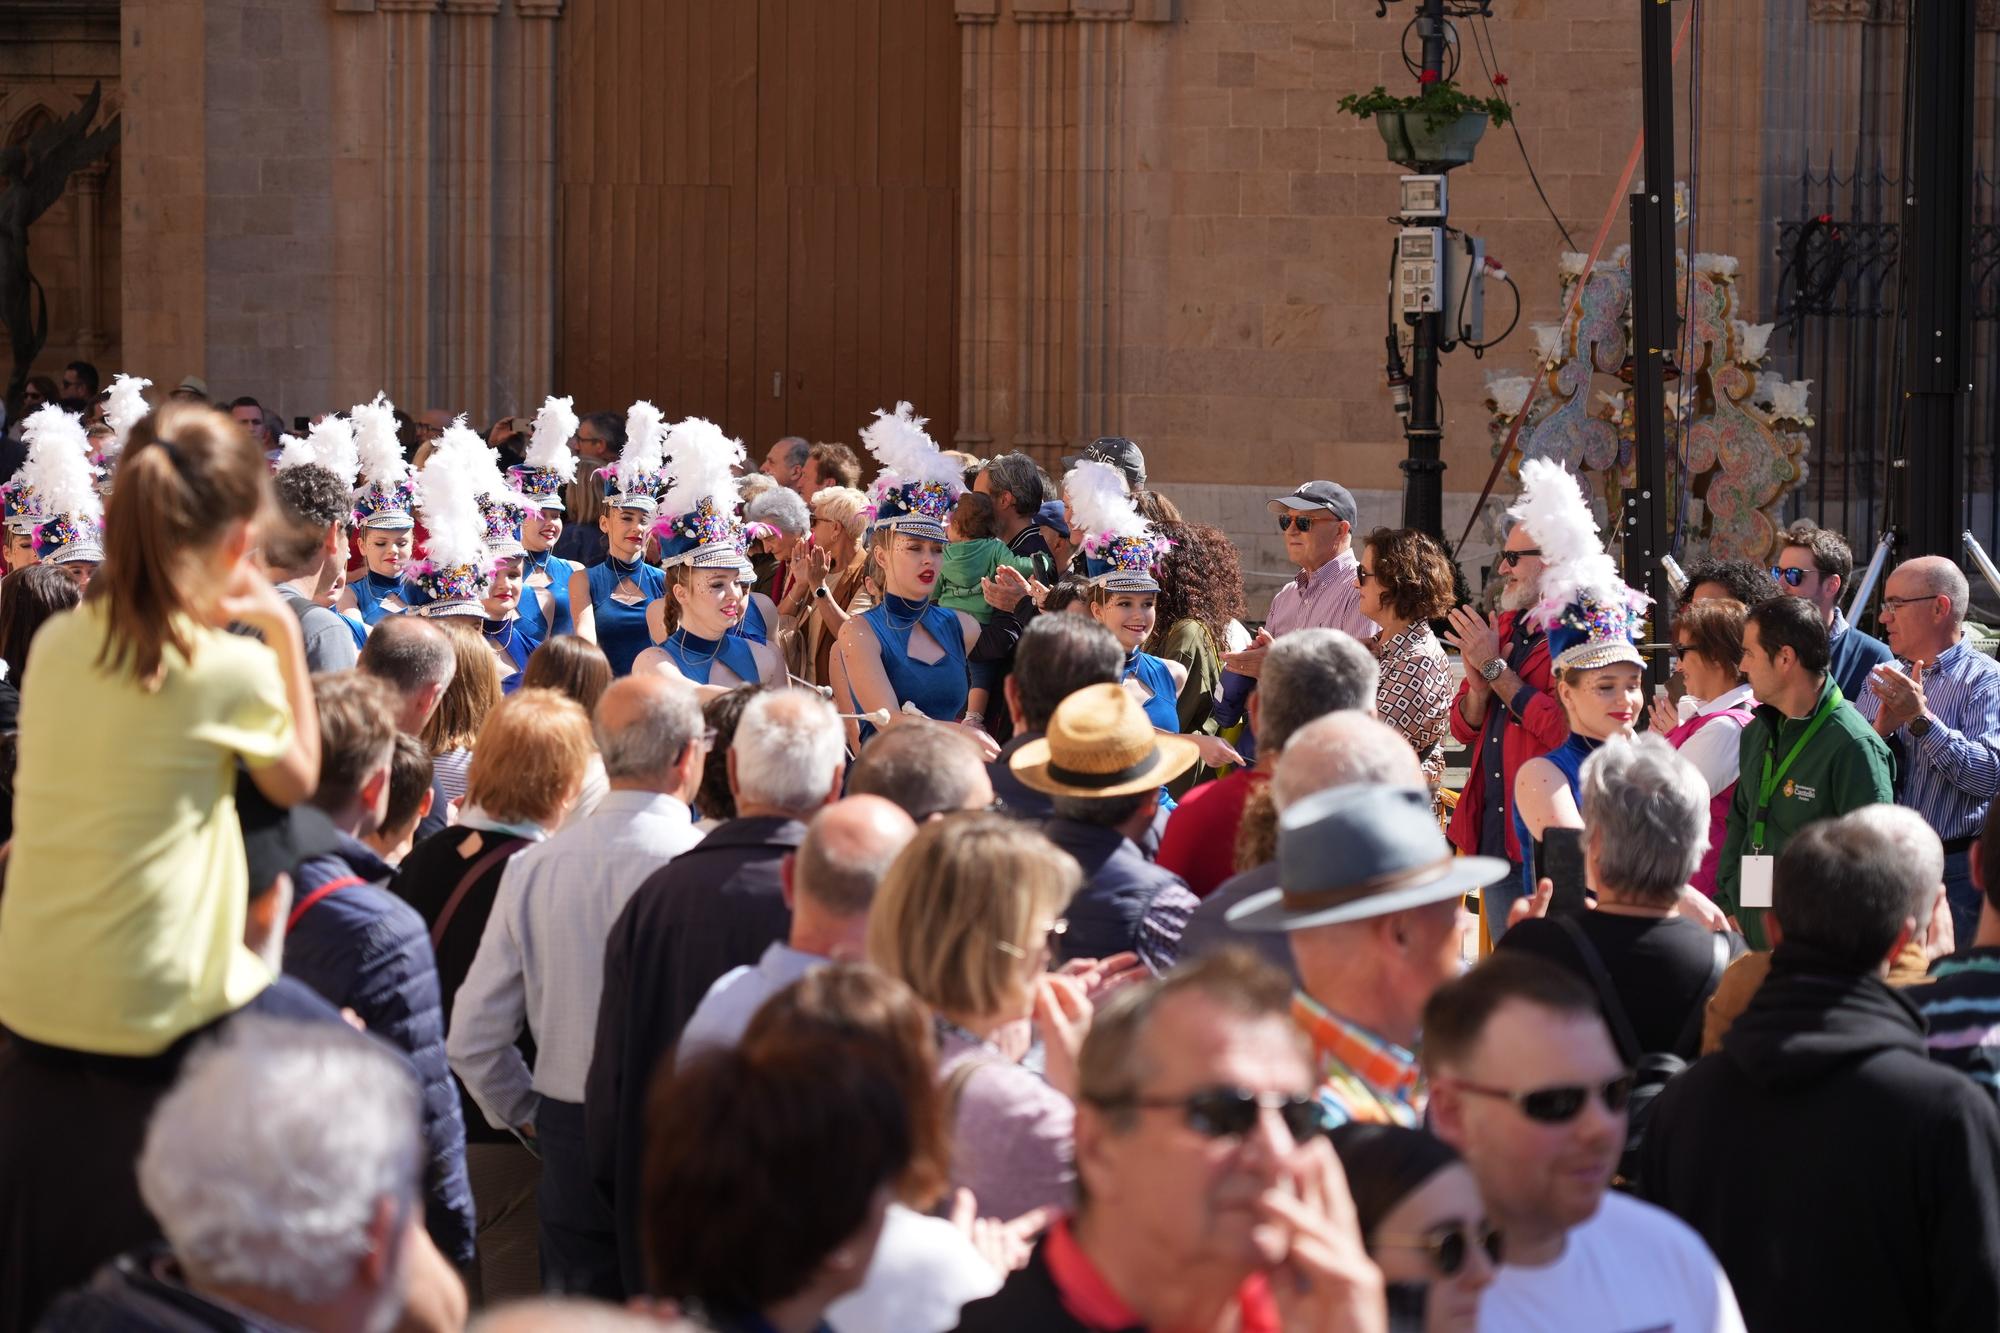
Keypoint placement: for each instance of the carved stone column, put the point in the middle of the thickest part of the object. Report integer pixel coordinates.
(409, 297)
(88, 185)
(1045, 201)
(976, 259)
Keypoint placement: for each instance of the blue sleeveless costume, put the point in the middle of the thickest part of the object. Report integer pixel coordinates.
(938, 689)
(371, 589)
(1568, 757)
(532, 621)
(507, 636)
(696, 657)
(621, 629)
(357, 629)
(1163, 709)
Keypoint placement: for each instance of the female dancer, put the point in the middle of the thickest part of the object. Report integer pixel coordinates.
(1592, 655)
(909, 652)
(608, 600)
(1120, 551)
(701, 544)
(382, 513)
(545, 576)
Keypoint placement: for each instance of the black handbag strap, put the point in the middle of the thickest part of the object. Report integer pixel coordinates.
(1718, 963)
(1600, 979)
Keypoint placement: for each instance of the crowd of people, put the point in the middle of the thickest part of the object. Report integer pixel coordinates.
(583, 876)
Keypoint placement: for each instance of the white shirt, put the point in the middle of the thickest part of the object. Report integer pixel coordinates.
(1717, 749)
(737, 995)
(1632, 1268)
(541, 960)
(923, 1273)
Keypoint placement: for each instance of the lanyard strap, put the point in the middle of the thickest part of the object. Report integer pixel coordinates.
(1771, 780)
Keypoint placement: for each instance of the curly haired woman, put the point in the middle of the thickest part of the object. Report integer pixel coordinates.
(1201, 595)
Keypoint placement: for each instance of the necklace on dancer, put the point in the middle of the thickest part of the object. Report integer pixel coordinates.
(680, 638)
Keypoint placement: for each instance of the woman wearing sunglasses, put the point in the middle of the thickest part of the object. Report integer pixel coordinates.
(1707, 728)
(1419, 1210)
(1405, 583)
(968, 917)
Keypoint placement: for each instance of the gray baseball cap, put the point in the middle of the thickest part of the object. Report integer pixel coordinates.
(1361, 851)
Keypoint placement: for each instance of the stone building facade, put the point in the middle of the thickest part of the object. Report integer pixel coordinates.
(1157, 221)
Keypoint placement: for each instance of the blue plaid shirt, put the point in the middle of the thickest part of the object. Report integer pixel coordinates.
(1950, 774)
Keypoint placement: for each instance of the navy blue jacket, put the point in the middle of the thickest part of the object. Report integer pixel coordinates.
(1854, 655)
(1120, 906)
(365, 949)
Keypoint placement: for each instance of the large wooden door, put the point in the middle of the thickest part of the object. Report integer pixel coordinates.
(758, 210)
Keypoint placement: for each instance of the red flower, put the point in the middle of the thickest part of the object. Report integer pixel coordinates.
(1428, 76)
(1825, 218)
(1500, 80)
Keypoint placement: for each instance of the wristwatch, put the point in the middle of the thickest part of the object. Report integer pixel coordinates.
(1920, 727)
(1491, 671)
(821, 591)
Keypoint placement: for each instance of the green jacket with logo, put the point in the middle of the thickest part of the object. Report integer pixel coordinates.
(1844, 767)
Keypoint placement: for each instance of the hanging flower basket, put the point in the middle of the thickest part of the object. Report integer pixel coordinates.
(1414, 144)
(1435, 130)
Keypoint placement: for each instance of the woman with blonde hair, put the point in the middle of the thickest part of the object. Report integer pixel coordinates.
(829, 578)
(968, 917)
(526, 770)
(453, 729)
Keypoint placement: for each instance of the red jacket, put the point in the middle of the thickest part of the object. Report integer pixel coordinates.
(1536, 724)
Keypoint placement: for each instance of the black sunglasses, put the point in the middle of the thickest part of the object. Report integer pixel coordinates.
(1513, 558)
(1449, 1244)
(1219, 1113)
(1791, 575)
(1302, 522)
(1559, 1106)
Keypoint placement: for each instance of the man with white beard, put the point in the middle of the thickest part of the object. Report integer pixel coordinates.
(1505, 714)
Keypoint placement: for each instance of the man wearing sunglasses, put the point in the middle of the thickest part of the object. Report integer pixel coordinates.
(1844, 1179)
(1938, 706)
(1505, 713)
(1816, 564)
(1208, 1199)
(1527, 1084)
(1317, 523)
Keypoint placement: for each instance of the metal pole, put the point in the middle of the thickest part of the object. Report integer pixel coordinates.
(1937, 255)
(1423, 468)
(1643, 524)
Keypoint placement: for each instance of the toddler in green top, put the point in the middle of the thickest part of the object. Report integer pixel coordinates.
(973, 554)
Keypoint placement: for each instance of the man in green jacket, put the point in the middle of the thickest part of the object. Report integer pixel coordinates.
(1807, 755)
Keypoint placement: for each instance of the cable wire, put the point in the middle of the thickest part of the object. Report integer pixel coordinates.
(1514, 123)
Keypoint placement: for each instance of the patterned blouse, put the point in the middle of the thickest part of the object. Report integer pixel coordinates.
(1415, 692)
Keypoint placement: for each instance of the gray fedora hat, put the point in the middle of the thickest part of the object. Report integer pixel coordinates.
(1354, 852)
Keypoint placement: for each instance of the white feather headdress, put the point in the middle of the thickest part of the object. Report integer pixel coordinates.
(905, 449)
(58, 470)
(379, 450)
(1100, 504)
(124, 406)
(448, 491)
(548, 446)
(645, 447)
(1584, 601)
(329, 444)
(703, 462)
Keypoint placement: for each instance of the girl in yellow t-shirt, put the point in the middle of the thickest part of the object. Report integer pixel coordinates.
(121, 924)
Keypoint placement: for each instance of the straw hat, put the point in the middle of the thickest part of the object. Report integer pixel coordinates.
(1101, 743)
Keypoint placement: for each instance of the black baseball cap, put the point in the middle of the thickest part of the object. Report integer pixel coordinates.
(1118, 451)
(275, 839)
(1330, 496)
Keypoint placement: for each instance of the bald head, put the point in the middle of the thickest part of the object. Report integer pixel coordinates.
(1341, 749)
(643, 726)
(848, 847)
(1936, 576)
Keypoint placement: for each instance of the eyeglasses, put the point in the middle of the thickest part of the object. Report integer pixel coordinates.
(1051, 942)
(1362, 574)
(1897, 603)
(1231, 1113)
(1558, 1106)
(1790, 575)
(1300, 521)
(1509, 559)
(1449, 1244)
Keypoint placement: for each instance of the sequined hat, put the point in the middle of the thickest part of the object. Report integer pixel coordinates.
(1120, 549)
(61, 540)
(385, 507)
(1592, 618)
(21, 510)
(502, 517)
(543, 485)
(703, 538)
(919, 487)
(449, 590)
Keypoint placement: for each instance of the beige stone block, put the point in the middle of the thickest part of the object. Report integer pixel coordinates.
(1284, 69)
(1316, 107)
(1606, 34)
(1292, 149)
(1257, 106)
(1206, 192)
(1187, 149)
(1294, 324)
(1205, 106)
(1266, 193)
(1235, 69)
(1238, 148)
(1322, 194)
